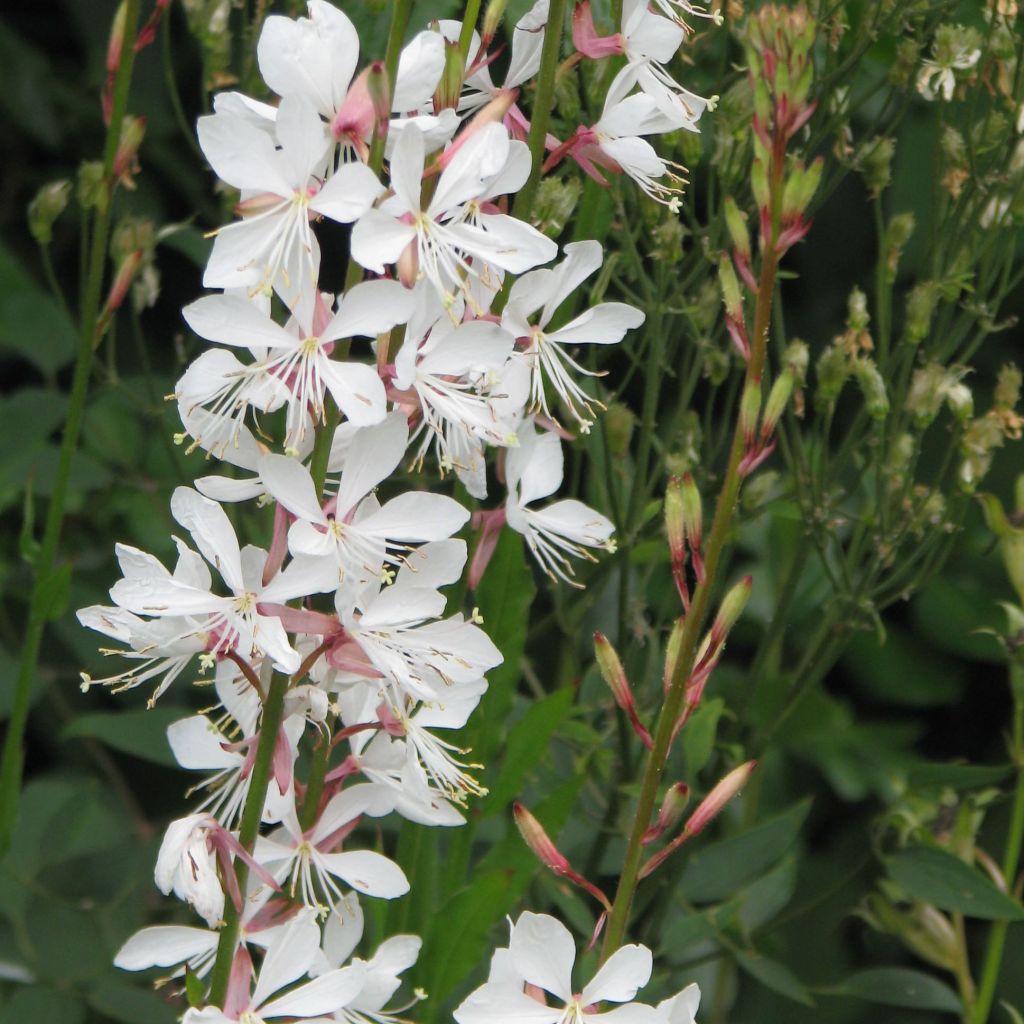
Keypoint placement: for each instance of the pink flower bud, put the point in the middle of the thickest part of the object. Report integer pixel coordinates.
(715, 801)
(671, 810)
(538, 841)
(586, 39)
(615, 676)
(728, 612)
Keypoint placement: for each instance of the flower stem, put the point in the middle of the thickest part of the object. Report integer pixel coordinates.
(725, 512)
(45, 579)
(543, 101)
(468, 24)
(252, 814)
(1011, 861)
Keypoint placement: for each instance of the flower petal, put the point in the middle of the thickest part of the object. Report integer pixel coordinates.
(626, 971)
(367, 872)
(543, 952)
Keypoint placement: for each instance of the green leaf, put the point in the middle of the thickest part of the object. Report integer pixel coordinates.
(467, 918)
(141, 733)
(131, 1004)
(937, 877)
(50, 598)
(1012, 1012)
(195, 988)
(35, 328)
(899, 986)
(760, 901)
(959, 776)
(40, 1005)
(527, 741)
(699, 735)
(719, 870)
(775, 976)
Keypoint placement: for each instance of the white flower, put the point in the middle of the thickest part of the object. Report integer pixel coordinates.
(541, 952)
(223, 623)
(288, 958)
(436, 242)
(300, 362)
(682, 1007)
(546, 290)
(308, 863)
(273, 245)
(187, 864)
(568, 527)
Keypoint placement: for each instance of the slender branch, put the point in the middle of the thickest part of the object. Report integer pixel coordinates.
(44, 577)
(543, 102)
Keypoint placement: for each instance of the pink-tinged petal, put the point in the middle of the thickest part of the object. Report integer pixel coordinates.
(417, 516)
(480, 157)
(367, 872)
(621, 976)
(348, 193)
(603, 325)
(313, 57)
(631, 1013)
(197, 743)
(241, 154)
(323, 995)
(419, 70)
(501, 1003)
(379, 239)
(164, 946)
(289, 482)
(543, 952)
(373, 455)
(357, 389)
(288, 958)
(232, 320)
(369, 309)
(212, 532)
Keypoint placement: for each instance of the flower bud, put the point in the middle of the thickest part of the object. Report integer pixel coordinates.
(712, 805)
(91, 187)
(778, 399)
(759, 184)
(49, 203)
(674, 523)
(750, 410)
(1008, 387)
(126, 157)
(449, 87)
(736, 222)
(731, 298)
(615, 676)
(800, 188)
(675, 639)
(492, 19)
(672, 806)
(876, 398)
(693, 514)
(832, 369)
(379, 91)
(729, 611)
(874, 160)
(795, 358)
(538, 840)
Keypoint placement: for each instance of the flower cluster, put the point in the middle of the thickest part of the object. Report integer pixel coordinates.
(335, 634)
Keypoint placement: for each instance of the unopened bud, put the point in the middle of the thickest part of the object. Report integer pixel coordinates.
(731, 297)
(492, 19)
(759, 184)
(671, 810)
(875, 163)
(876, 398)
(126, 158)
(91, 187)
(800, 188)
(712, 805)
(123, 278)
(378, 90)
(538, 840)
(921, 303)
(675, 529)
(449, 87)
(778, 399)
(736, 222)
(49, 203)
(729, 611)
(750, 410)
(832, 369)
(675, 639)
(795, 358)
(1008, 386)
(615, 676)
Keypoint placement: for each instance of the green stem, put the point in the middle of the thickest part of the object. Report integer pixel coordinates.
(44, 577)
(543, 101)
(252, 814)
(468, 24)
(1011, 860)
(725, 512)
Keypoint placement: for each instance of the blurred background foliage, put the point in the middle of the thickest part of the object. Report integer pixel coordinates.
(877, 581)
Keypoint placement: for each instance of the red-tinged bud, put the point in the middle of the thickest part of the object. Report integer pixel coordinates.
(491, 113)
(728, 612)
(538, 841)
(731, 297)
(736, 222)
(123, 279)
(356, 118)
(750, 411)
(449, 86)
(148, 33)
(548, 854)
(133, 129)
(586, 38)
(615, 676)
(671, 810)
(693, 517)
(115, 42)
(492, 19)
(710, 807)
